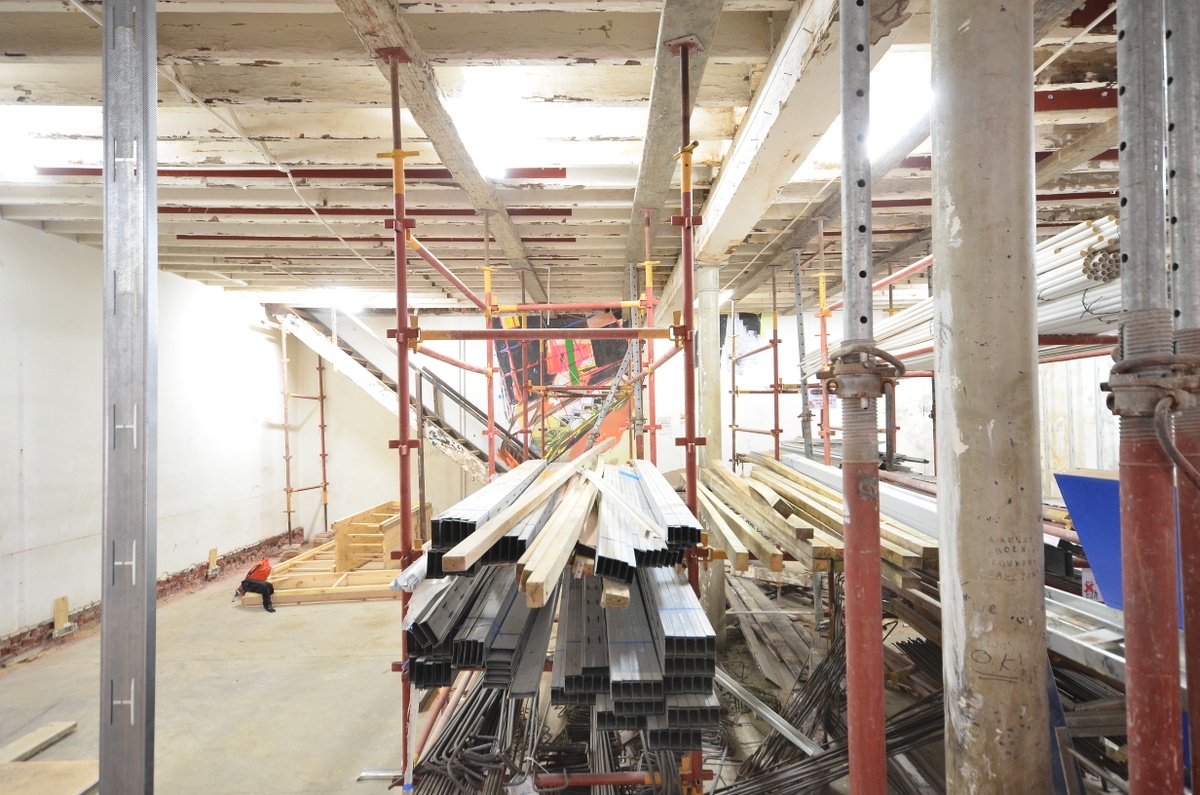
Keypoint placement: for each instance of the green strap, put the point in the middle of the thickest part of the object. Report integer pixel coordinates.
(571, 366)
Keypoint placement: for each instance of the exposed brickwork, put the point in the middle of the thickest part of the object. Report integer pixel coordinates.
(42, 635)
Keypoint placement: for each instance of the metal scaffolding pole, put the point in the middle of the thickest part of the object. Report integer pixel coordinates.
(129, 530)
(988, 426)
(637, 425)
(405, 334)
(687, 222)
(860, 388)
(1148, 548)
(1183, 109)
(805, 411)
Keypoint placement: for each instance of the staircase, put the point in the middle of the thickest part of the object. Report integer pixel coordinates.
(370, 362)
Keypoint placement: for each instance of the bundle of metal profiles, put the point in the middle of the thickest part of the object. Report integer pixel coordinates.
(915, 726)
(469, 649)
(683, 636)
(462, 519)
(669, 511)
(647, 550)
(581, 653)
(434, 624)
(635, 667)
(516, 643)
(513, 544)
(1088, 632)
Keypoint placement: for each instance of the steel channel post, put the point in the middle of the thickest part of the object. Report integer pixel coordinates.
(490, 432)
(400, 226)
(860, 447)
(130, 459)
(733, 387)
(638, 419)
(650, 305)
(287, 433)
(805, 411)
(1183, 113)
(324, 452)
(1148, 548)
(777, 431)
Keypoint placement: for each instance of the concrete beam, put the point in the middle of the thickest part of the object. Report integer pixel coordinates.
(792, 109)
(263, 40)
(381, 26)
(350, 85)
(679, 18)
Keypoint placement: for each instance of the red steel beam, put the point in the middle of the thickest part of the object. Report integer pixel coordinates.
(552, 212)
(516, 334)
(380, 174)
(441, 268)
(892, 278)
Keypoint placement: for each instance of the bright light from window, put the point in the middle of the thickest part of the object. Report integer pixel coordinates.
(900, 95)
(37, 135)
(502, 129)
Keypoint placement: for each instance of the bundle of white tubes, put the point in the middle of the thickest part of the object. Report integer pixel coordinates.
(1078, 292)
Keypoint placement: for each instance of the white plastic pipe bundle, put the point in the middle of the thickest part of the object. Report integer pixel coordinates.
(1079, 292)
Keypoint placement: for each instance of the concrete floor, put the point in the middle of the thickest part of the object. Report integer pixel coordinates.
(294, 702)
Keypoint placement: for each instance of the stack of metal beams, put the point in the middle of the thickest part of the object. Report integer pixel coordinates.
(683, 529)
(580, 672)
(456, 523)
(648, 666)
(622, 547)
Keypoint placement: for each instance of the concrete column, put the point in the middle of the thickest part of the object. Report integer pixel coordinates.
(989, 495)
(708, 357)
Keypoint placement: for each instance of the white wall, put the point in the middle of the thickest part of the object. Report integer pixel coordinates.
(220, 481)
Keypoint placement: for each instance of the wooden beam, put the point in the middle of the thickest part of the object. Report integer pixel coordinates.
(764, 549)
(472, 548)
(382, 26)
(36, 741)
(562, 531)
(1095, 141)
(724, 536)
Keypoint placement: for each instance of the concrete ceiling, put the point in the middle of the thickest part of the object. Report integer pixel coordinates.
(272, 113)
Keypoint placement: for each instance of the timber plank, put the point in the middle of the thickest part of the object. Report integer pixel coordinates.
(36, 741)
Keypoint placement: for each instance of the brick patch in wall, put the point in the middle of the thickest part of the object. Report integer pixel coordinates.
(42, 635)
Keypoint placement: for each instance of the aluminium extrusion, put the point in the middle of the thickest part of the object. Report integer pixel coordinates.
(768, 715)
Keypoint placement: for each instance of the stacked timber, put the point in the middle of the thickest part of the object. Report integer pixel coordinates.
(903, 550)
(775, 511)
(357, 565)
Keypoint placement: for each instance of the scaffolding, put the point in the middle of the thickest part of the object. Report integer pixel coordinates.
(319, 399)
(410, 336)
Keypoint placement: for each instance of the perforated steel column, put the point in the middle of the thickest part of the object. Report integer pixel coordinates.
(1183, 114)
(1148, 548)
(130, 412)
(860, 445)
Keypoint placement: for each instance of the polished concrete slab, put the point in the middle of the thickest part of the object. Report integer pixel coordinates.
(295, 702)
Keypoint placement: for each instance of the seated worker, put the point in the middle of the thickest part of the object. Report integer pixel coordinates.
(256, 582)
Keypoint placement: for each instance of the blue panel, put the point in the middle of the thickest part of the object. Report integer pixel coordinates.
(1095, 507)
